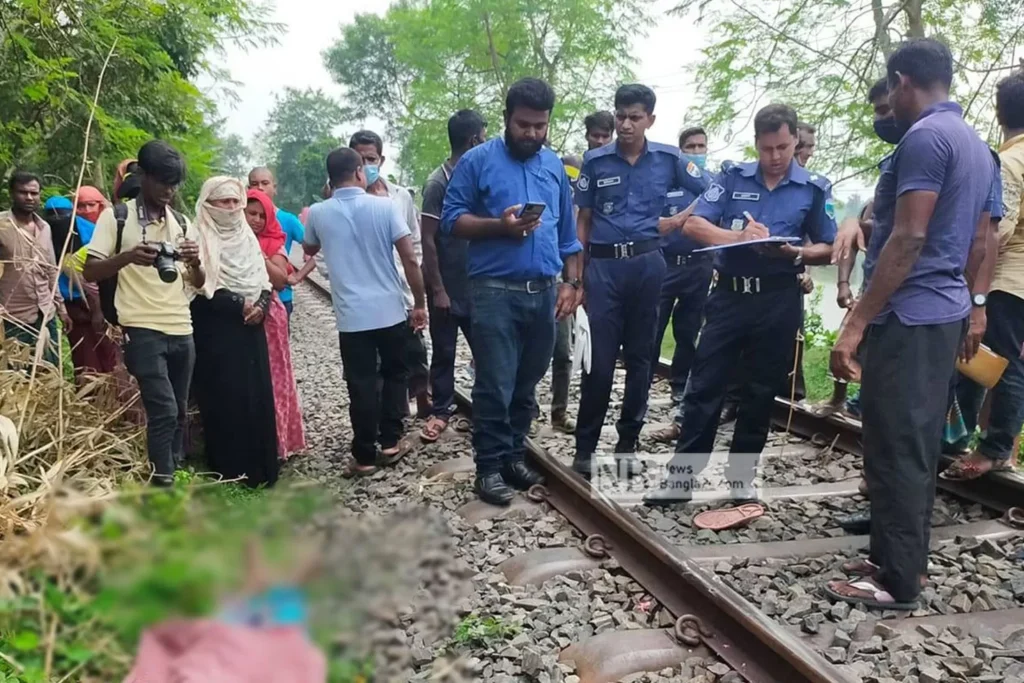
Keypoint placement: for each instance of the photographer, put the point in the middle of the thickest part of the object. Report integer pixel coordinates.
(151, 302)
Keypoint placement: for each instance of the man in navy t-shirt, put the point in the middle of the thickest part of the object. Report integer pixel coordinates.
(931, 217)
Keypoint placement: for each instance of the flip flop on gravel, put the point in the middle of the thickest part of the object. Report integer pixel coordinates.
(866, 592)
(355, 471)
(402, 449)
(461, 424)
(863, 567)
(728, 518)
(668, 434)
(965, 468)
(433, 429)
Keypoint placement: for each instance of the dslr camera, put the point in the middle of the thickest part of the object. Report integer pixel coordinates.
(166, 255)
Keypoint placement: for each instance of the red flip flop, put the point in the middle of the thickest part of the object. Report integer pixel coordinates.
(728, 518)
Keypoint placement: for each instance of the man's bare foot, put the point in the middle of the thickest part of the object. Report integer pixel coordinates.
(973, 466)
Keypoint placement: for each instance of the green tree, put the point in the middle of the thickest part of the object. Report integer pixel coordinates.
(51, 57)
(822, 58)
(424, 59)
(233, 156)
(298, 135)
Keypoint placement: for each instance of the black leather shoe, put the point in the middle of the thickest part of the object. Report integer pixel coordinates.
(491, 488)
(518, 475)
(626, 446)
(858, 524)
(583, 466)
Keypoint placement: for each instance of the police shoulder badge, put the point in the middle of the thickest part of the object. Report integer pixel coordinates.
(692, 169)
(737, 224)
(714, 192)
(830, 209)
(583, 184)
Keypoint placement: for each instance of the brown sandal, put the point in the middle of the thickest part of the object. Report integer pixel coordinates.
(668, 434)
(966, 469)
(433, 429)
(863, 567)
(356, 471)
(404, 446)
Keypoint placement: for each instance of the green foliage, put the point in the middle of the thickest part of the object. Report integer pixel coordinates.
(51, 56)
(233, 157)
(476, 631)
(425, 59)
(823, 57)
(815, 332)
(298, 135)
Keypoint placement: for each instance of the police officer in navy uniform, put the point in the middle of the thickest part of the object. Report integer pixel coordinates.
(621, 195)
(687, 278)
(756, 305)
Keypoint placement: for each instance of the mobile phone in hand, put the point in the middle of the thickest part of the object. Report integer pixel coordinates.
(533, 210)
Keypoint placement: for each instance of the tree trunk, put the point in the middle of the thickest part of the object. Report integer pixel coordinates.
(915, 24)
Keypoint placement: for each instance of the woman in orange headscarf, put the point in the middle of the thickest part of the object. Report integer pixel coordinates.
(262, 218)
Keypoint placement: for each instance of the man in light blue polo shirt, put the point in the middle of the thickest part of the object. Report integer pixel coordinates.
(513, 263)
(358, 233)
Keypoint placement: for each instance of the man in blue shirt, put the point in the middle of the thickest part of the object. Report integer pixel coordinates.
(514, 261)
(930, 236)
(261, 178)
(621, 194)
(687, 278)
(359, 234)
(755, 309)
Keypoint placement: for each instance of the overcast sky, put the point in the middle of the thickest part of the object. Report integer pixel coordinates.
(662, 57)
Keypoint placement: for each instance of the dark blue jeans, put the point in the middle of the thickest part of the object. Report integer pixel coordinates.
(1004, 335)
(513, 341)
(444, 336)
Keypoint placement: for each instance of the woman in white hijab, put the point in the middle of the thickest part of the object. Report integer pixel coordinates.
(232, 374)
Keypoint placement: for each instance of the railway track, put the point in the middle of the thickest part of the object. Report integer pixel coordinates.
(715, 590)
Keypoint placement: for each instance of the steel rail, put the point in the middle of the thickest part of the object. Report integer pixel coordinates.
(740, 634)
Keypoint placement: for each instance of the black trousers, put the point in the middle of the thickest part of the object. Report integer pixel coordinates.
(162, 364)
(762, 327)
(905, 385)
(444, 337)
(376, 414)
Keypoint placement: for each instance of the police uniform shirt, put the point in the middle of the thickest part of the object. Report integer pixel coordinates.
(678, 200)
(627, 200)
(799, 206)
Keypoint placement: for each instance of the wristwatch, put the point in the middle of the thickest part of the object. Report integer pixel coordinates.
(799, 260)
(979, 300)
(574, 283)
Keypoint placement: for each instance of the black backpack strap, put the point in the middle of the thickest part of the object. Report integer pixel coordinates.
(181, 222)
(121, 215)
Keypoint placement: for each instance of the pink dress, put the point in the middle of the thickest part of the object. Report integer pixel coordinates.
(291, 436)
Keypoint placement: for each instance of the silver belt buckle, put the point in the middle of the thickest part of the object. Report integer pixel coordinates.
(529, 288)
(624, 250)
(751, 285)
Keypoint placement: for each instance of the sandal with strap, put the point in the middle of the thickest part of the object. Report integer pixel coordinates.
(433, 429)
(867, 593)
(356, 471)
(966, 469)
(461, 424)
(404, 446)
(667, 434)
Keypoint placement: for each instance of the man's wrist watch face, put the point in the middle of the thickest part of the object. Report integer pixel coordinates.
(979, 299)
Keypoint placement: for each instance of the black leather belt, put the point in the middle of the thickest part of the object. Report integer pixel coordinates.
(529, 286)
(747, 284)
(624, 250)
(686, 259)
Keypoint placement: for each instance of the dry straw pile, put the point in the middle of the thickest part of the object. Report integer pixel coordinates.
(64, 450)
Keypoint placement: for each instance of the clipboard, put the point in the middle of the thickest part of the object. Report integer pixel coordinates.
(750, 243)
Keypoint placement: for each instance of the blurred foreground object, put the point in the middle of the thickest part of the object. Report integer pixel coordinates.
(205, 651)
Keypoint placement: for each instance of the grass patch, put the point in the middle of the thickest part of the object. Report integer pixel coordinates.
(476, 631)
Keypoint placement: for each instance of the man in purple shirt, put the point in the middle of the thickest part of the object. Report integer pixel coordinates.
(931, 217)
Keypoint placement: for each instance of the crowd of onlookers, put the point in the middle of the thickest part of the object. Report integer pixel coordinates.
(192, 309)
